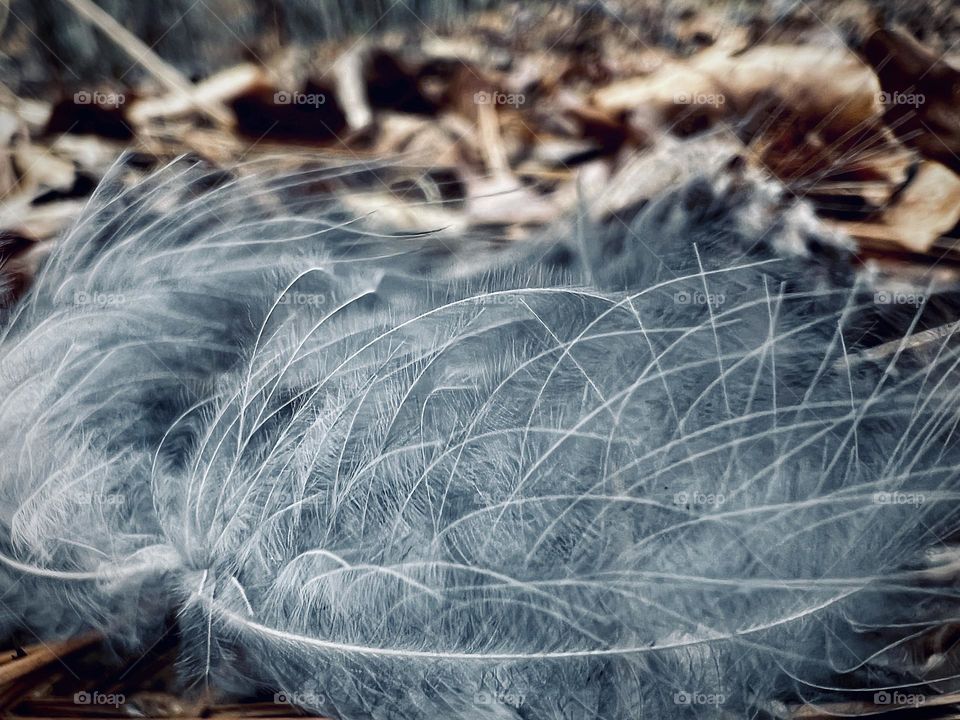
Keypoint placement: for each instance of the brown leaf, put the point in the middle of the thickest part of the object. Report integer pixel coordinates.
(395, 84)
(921, 94)
(825, 89)
(309, 114)
(926, 209)
(85, 114)
(811, 116)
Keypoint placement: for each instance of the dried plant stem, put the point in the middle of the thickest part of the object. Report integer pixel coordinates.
(37, 656)
(142, 54)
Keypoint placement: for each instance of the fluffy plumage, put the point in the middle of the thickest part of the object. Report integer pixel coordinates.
(648, 478)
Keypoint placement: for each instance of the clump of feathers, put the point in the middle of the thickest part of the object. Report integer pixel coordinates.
(651, 477)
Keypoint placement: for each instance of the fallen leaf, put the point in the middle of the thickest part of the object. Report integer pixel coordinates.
(920, 94)
(310, 113)
(828, 90)
(85, 114)
(221, 87)
(926, 209)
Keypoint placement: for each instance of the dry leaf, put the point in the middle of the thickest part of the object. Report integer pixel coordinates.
(221, 87)
(308, 114)
(825, 89)
(100, 113)
(921, 94)
(926, 209)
